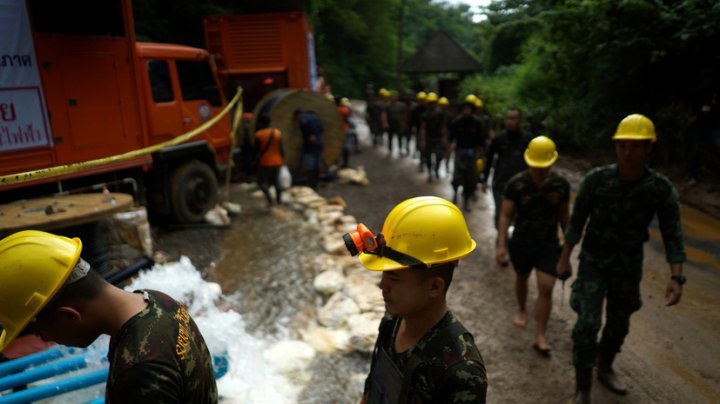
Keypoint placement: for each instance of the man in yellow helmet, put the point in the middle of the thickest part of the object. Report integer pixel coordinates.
(536, 200)
(433, 136)
(416, 114)
(156, 353)
(618, 202)
(423, 354)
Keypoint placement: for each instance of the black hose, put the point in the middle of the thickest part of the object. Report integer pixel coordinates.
(143, 263)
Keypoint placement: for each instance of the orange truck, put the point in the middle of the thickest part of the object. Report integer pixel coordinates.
(262, 52)
(75, 85)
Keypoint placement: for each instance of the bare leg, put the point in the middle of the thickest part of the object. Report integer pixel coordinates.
(521, 282)
(543, 307)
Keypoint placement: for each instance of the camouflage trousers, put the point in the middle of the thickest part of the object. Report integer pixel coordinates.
(616, 279)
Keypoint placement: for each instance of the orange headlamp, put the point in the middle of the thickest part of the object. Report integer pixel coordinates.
(362, 240)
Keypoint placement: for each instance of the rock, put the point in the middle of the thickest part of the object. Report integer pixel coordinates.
(364, 330)
(328, 207)
(361, 287)
(290, 355)
(352, 176)
(337, 200)
(329, 216)
(343, 228)
(348, 219)
(217, 216)
(232, 208)
(334, 244)
(160, 257)
(326, 262)
(257, 194)
(337, 309)
(329, 282)
(326, 340)
(301, 191)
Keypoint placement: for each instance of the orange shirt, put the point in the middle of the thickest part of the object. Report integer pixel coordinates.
(273, 156)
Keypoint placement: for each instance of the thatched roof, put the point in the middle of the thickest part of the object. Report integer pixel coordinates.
(440, 54)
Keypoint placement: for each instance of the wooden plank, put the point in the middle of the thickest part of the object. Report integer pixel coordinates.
(56, 212)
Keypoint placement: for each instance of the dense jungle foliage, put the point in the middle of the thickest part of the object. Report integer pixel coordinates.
(576, 67)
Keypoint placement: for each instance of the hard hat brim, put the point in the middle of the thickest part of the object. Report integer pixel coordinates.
(634, 137)
(540, 163)
(375, 262)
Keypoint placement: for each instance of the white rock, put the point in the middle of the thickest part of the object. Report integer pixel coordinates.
(232, 208)
(217, 216)
(334, 244)
(290, 355)
(361, 287)
(326, 340)
(364, 330)
(257, 194)
(329, 282)
(337, 309)
(329, 217)
(352, 176)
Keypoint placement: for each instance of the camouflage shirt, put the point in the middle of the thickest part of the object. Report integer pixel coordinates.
(505, 156)
(537, 210)
(435, 120)
(451, 369)
(618, 214)
(159, 356)
(396, 116)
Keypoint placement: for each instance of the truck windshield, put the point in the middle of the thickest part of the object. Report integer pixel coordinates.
(197, 82)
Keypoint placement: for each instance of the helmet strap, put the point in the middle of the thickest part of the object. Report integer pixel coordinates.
(384, 251)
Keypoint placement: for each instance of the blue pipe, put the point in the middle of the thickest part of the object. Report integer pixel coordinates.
(42, 372)
(57, 388)
(15, 365)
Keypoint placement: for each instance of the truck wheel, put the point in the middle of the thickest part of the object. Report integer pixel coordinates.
(193, 191)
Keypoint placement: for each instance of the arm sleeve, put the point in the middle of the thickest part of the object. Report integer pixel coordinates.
(147, 383)
(671, 228)
(580, 211)
(465, 383)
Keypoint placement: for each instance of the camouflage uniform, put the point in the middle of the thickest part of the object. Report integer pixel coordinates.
(535, 239)
(509, 148)
(612, 253)
(396, 122)
(160, 356)
(445, 366)
(435, 122)
(467, 134)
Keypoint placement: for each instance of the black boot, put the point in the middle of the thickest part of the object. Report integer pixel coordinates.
(583, 383)
(606, 375)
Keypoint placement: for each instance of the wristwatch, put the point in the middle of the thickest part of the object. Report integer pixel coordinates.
(680, 279)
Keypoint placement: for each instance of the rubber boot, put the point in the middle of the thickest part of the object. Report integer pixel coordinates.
(607, 376)
(583, 383)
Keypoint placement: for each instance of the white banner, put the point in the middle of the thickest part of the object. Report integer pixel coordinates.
(23, 114)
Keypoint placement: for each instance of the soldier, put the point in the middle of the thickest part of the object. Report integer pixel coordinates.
(423, 354)
(416, 113)
(156, 353)
(466, 134)
(537, 200)
(509, 147)
(433, 136)
(374, 115)
(618, 202)
(395, 114)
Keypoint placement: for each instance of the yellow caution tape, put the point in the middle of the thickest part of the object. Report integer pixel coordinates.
(69, 168)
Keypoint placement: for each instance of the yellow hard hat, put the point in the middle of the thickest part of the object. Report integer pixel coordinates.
(470, 98)
(479, 103)
(421, 96)
(635, 127)
(480, 165)
(431, 97)
(443, 101)
(541, 152)
(34, 265)
(384, 92)
(330, 97)
(344, 101)
(426, 228)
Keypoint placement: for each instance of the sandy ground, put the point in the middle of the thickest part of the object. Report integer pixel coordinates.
(670, 356)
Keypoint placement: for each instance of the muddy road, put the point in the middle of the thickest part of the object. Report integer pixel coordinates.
(670, 356)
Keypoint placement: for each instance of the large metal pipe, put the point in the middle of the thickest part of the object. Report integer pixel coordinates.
(57, 388)
(42, 372)
(35, 359)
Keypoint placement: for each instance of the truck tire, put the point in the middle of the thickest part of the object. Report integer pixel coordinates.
(193, 191)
